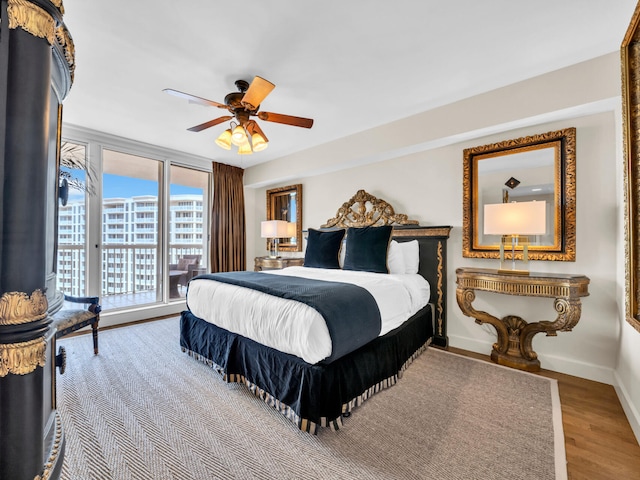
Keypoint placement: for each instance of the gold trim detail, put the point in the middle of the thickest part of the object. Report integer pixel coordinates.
(422, 232)
(54, 452)
(17, 308)
(23, 357)
(364, 210)
(58, 5)
(32, 19)
(68, 47)
(565, 286)
(440, 306)
(630, 59)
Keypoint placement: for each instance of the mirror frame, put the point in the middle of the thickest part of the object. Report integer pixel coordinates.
(564, 247)
(630, 59)
(271, 195)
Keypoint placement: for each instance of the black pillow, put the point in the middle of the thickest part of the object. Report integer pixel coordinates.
(367, 249)
(323, 248)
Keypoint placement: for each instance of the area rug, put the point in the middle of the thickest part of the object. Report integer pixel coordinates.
(142, 409)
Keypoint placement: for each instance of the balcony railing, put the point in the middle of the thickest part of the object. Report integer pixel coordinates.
(122, 265)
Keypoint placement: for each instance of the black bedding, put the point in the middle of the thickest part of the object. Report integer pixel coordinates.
(309, 395)
(350, 312)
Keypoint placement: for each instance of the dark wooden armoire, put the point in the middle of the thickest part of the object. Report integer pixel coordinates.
(36, 70)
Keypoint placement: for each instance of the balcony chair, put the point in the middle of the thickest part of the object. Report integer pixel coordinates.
(69, 320)
(180, 273)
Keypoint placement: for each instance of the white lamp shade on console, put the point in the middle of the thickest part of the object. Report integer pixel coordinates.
(515, 221)
(516, 218)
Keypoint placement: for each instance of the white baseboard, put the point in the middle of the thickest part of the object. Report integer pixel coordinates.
(113, 318)
(590, 371)
(629, 409)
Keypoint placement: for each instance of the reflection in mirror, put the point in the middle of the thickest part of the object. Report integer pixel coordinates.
(285, 204)
(536, 168)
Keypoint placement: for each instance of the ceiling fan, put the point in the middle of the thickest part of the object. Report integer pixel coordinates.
(244, 132)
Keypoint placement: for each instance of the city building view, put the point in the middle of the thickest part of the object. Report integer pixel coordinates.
(131, 253)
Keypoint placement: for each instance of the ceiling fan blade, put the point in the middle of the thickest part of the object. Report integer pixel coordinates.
(210, 123)
(256, 93)
(286, 119)
(193, 98)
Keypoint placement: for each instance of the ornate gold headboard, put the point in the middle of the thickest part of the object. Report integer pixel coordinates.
(364, 210)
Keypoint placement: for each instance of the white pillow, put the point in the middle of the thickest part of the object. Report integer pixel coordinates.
(411, 256)
(395, 258)
(343, 251)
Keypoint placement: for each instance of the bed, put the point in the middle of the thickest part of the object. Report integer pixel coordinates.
(324, 389)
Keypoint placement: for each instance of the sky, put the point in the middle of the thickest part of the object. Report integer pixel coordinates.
(126, 187)
(120, 186)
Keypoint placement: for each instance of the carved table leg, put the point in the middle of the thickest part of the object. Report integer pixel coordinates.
(515, 335)
(569, 312)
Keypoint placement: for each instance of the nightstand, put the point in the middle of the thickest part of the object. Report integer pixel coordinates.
(268, 263)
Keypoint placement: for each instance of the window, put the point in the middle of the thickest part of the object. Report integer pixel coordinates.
(148, 214)
(71, 261)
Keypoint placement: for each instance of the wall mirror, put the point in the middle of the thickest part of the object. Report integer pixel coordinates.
(539, 167)
(285, 203)
(630, 56)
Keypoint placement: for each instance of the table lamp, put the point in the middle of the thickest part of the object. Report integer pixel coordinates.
(275, 229)
(515, 222)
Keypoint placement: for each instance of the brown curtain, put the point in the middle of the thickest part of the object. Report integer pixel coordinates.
(228, 234)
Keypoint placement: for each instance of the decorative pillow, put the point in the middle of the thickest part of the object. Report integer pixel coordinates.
(323, 248)
(367, 249)
(411, 256)
(395, 258)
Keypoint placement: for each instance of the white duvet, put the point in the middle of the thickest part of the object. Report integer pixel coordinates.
(294, 327)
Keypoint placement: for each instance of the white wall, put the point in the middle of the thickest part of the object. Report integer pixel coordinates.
(416, 165)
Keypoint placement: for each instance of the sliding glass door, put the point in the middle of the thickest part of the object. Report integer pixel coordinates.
(188, 194)
(134, 228)
(131, 253)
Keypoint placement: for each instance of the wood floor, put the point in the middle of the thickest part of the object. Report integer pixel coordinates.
(598, 439)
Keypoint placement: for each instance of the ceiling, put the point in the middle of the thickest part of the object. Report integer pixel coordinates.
(350, 66)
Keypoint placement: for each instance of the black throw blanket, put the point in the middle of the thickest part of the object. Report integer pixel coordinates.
(350, 312)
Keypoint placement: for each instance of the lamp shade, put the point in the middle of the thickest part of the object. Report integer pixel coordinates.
(274, 229)
(245, 149)
(291, 229)
(238, 135)
(258, 142)
(516, 218)
(224, 140)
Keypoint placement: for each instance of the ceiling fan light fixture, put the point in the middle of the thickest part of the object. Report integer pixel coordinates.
(242, 105)
(224, 140)
(238, 136)
(258, 142)
(245, 149)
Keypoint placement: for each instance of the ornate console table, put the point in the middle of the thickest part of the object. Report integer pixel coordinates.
(515, 335)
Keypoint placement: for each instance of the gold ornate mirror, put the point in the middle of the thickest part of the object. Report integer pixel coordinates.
(285, 203)
(630, 53)
(536, 168)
